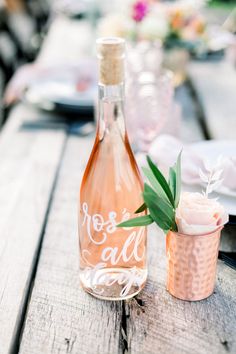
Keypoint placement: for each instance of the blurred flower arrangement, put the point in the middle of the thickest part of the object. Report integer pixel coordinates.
(178, 23)
(186, 24)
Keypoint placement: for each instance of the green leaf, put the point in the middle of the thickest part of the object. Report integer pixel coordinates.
(178, 180)
(172, 180)
(162, 222)
(160, 203)
(139, 221)
(154, 183)
(141, 208)
(161, 211)
(161, 179)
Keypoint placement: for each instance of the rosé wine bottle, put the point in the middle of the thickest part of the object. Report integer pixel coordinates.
(112, 260)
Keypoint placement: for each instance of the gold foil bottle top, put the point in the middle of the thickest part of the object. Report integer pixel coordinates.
(111, 54)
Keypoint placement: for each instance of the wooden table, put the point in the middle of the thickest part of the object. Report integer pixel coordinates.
(42, 306)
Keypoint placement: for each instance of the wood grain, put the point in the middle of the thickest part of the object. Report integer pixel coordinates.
(61, 317)
(28, 165)
(215, 86)
(159, 323)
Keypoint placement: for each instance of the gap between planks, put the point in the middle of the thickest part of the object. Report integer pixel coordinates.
(16, 344)
(29, 161)
(57, 309)
(61, 317)
(151, 322)
(200, 115)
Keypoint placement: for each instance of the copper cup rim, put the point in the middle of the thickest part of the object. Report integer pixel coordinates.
(209, 234)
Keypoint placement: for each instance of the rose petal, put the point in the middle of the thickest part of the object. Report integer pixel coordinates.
(198, 215)
(192, 229)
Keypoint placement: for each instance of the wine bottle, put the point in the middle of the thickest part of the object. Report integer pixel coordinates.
(112, 259)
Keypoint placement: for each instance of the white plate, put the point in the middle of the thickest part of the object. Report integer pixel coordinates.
(68, 85)
(213, 148)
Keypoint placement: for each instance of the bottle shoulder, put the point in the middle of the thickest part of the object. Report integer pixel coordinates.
(114, 167)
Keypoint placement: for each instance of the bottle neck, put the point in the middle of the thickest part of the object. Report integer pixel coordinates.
(111, 92)
(111, 109)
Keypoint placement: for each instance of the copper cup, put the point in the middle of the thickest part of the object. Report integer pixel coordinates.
(192, 261)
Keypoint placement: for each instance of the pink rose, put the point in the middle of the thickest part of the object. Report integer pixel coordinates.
(197, 214)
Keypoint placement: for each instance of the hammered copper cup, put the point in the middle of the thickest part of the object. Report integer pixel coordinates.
(192, 261)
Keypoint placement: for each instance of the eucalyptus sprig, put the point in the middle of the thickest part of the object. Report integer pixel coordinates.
(161, 197)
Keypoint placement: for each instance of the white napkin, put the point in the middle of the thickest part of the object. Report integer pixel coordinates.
(165, 149)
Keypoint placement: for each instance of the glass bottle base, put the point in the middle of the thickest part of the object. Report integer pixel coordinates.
(113, 283)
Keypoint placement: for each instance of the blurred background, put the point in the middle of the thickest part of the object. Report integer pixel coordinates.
(22, 25)
(47, 49)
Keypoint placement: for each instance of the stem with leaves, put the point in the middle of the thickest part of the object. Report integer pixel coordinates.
(211, 176)
(161, 198)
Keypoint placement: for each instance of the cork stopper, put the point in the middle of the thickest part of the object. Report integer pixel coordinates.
(111, 54)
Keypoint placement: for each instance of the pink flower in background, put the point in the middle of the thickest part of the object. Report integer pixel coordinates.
(140, 9)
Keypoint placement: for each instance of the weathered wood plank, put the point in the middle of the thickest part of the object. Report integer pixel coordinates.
(215, 86)
(28, 165)
(61, 317)
(163, 324)
(157, 322)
